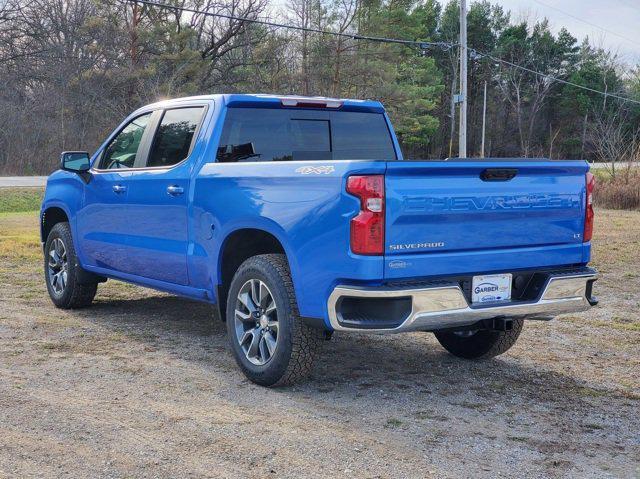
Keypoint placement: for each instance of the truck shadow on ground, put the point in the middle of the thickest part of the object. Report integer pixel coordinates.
(412, 366)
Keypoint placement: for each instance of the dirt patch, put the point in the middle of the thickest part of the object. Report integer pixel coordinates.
(142, 385)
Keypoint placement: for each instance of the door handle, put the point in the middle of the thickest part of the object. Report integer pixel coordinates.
(175, 190)
(119, 188)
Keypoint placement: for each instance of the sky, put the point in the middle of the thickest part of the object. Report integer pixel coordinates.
(620, 17)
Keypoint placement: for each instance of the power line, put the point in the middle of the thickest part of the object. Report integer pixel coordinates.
(550, 77)
(587, 22)
(383, 40)
(416, 43)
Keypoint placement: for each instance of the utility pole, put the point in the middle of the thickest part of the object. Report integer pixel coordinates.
(484, 119)
(454, 102)
(462, 138)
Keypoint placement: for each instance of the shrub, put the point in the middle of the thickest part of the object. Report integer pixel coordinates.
(619, 193)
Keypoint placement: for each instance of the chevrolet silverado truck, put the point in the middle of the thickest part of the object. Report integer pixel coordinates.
(298, 217)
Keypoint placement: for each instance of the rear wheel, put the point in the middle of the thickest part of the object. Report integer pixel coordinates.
(271, 344)
(481, 344)
(61, 271)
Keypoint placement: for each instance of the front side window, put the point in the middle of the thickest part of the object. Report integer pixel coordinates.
(262, 134)
(174, 136)
(124, 148)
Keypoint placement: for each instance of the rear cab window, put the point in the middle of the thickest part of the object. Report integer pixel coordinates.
(263, 134)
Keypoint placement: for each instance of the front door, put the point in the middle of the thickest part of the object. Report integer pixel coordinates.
(102, 223)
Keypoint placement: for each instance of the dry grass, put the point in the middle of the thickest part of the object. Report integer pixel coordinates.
(621, 193)
(617, 242)
(19, 236)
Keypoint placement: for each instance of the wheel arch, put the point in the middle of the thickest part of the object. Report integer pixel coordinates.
(51, 215)
(238, 246)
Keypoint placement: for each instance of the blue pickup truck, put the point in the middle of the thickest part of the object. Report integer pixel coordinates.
(299, 217)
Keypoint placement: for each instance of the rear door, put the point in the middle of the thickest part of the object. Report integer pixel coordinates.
(158, 198)
(449, 216)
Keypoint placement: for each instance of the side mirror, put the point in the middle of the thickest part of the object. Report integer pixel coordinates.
(75, 161)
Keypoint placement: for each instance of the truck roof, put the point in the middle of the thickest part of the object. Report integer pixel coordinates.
(277, 101)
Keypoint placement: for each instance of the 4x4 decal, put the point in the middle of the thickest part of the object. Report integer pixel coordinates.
(315, 170)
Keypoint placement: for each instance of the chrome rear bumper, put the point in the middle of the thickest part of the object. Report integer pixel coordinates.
(445, 306)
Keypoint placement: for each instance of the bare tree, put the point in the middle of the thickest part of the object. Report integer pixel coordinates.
(614, 144)
(217, 38)
(345, 12)
(527, 97)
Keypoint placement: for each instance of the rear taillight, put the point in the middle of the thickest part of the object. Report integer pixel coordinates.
(367, 229)
(589, 214)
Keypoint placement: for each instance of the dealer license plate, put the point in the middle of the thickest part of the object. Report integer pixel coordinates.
(491, 288)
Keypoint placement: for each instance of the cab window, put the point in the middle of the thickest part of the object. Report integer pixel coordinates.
(174, 136)
(125, 147)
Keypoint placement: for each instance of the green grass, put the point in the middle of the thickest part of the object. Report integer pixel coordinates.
(19, 232)
(17, 200)
(19, 236)
(393, 423)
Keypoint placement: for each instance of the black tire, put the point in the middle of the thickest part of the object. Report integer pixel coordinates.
(70, 294)
(297, 344)
(482, 344)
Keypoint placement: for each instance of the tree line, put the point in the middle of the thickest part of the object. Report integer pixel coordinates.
(71, 70)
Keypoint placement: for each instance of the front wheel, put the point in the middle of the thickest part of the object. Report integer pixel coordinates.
(271, 344)
(481, 344)
(61, 271)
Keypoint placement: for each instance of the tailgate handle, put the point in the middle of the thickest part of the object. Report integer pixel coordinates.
(498, 174)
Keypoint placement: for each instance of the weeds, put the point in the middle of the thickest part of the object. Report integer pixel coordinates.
(621, 192)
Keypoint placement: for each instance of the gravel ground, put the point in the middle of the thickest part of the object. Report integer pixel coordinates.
(142, 385)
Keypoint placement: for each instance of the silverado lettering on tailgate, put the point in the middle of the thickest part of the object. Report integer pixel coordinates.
(404, 246)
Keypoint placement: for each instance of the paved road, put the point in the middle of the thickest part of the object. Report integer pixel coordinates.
(619, 166)
(22, 181)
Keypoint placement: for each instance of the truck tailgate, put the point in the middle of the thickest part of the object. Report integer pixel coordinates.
(458, 216)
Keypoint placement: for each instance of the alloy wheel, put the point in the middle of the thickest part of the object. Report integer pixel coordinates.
(256, 322)
(58, 266)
